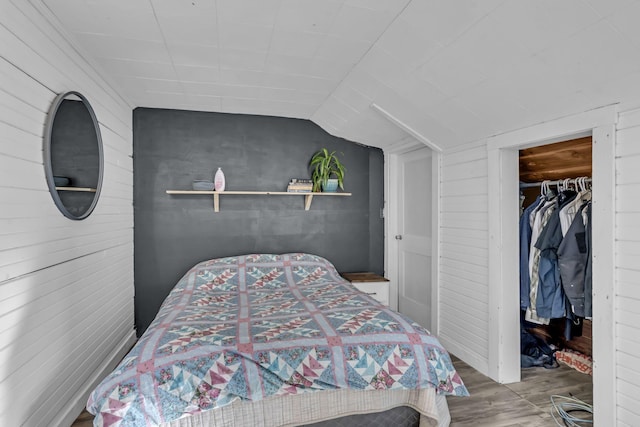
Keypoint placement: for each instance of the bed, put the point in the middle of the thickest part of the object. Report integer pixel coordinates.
(274, 340)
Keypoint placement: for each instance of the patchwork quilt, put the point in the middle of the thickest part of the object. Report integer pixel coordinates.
(262, 325)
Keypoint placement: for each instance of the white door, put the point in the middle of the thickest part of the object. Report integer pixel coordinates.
(415, 236)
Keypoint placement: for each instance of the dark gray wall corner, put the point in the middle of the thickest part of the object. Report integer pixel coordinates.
(172, 233)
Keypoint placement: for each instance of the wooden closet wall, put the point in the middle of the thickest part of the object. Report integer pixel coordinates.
(567, 159)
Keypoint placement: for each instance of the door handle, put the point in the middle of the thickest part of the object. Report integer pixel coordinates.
(399, 237)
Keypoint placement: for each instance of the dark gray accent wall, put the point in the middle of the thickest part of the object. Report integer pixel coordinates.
(173, 232)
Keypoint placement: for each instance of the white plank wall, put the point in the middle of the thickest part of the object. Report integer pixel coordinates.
(464, 291)
(66, 287)
(464, 260)
(627, 253)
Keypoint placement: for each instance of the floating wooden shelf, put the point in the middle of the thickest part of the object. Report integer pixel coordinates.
(81, 189)
(308, 197)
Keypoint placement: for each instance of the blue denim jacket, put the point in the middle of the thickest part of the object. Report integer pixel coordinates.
(525, 244)
(550, 301)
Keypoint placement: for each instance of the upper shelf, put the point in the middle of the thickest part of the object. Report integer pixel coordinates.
(308, 197)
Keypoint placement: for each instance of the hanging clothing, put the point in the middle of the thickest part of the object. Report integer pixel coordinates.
(568, 211)
(572, 257)
(525, 246)
(541, 218)
(551, 299)
(555, 259)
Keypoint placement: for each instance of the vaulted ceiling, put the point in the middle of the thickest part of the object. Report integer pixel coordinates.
(372, 71)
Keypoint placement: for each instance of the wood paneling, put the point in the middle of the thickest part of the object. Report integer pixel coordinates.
(464, 316)
(627, 269)
(66, 287)
(567, 159)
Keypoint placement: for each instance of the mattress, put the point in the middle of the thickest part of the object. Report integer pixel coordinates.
(268, 339)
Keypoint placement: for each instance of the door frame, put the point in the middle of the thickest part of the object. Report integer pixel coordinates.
(392, 212)
(504, 357)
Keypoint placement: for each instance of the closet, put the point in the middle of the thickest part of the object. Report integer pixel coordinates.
(557, 162)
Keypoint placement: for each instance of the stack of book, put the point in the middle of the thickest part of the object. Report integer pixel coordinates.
(300, 185)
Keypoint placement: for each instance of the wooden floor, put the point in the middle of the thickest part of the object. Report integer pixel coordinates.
(84, 420)
(524, 404)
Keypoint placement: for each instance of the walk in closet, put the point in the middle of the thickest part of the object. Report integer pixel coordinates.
(560, 319)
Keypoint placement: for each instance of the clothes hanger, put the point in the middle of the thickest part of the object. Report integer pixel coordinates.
(549, 194)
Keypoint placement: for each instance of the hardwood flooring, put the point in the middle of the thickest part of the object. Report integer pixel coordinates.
(523, 404)
(85, 419)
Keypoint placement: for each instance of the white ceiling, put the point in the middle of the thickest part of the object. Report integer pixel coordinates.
(446, 71)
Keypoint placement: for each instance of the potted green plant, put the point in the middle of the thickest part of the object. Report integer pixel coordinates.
(328, 171)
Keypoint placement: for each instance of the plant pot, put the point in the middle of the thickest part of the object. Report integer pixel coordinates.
(331, 186)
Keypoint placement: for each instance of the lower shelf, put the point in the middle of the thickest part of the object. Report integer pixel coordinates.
(308, 197)
(77, 189)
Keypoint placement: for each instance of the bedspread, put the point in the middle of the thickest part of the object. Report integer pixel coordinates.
(262, 325)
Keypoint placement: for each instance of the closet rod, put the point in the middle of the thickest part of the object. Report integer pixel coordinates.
(556, 182)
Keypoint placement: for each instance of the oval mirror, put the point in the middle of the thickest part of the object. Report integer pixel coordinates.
(73, 155)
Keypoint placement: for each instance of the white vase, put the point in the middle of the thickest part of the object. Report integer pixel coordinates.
(219, 181)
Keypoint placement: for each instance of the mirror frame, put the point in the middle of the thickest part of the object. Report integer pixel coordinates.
(57, 102)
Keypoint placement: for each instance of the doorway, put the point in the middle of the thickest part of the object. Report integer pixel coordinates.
(504, 358)
(413, 231)
(549, 322)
